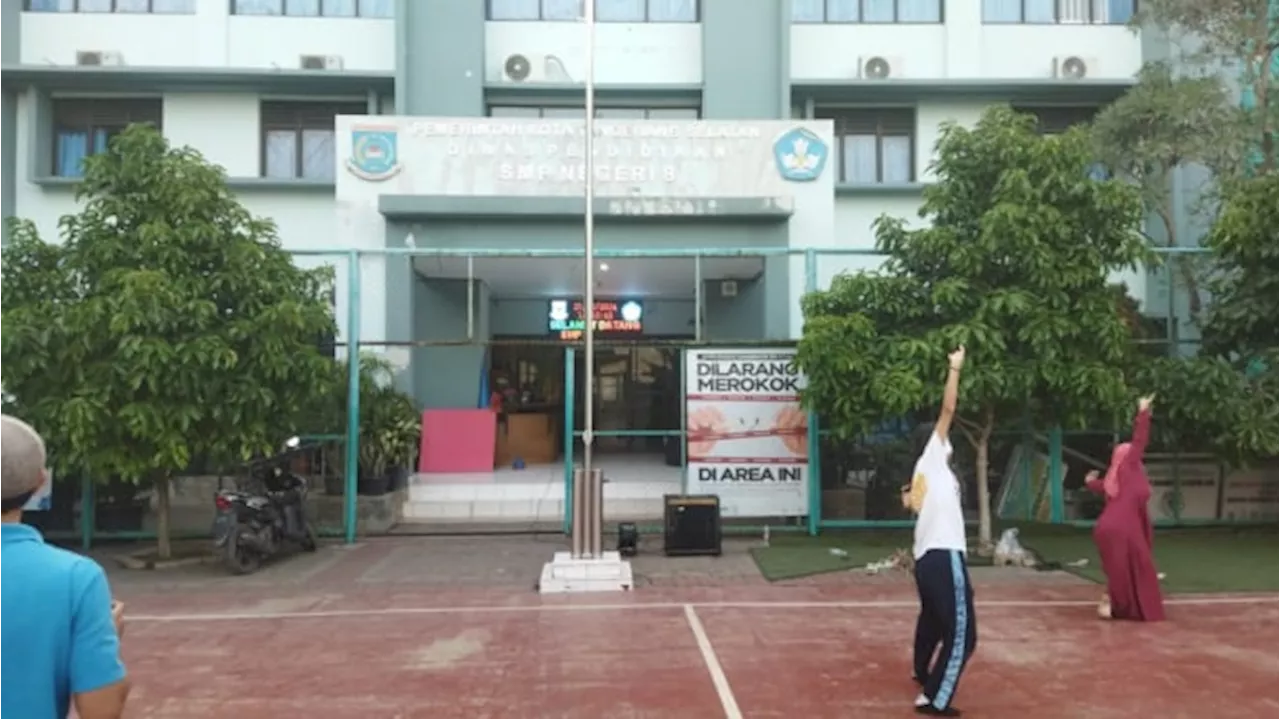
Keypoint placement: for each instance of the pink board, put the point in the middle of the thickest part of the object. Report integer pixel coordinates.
(457, 440)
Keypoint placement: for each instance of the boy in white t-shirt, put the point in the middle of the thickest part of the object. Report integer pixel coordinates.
(942, 577)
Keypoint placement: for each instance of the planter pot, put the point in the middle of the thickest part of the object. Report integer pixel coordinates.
(334, 485)
(397, 479)
(374, 486)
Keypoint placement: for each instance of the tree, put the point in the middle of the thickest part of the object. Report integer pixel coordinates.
(1228, 38)
(1014, 266)
(1243, 321)
(1159, 130)
(167, 328)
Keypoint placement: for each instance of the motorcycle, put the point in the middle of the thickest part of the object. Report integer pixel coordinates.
(260, 516)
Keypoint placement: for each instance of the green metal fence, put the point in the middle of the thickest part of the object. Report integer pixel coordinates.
(1167, 333)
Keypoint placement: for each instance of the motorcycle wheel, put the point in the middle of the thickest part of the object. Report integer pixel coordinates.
(239, 559)
(309, 541)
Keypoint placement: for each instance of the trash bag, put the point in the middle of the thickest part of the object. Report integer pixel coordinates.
(1009, 551)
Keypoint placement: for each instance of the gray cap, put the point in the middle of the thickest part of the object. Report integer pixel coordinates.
(22, 458)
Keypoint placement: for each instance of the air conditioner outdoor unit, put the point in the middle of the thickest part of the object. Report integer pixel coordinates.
(320, 62)
(1071, 67)
(98, 58)
(879, 68)
(520, 68)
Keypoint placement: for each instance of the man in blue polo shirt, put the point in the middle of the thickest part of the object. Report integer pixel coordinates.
(60, 629)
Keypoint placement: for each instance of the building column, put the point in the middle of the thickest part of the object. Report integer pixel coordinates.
(440, 58)
(10, 55)
(746, 59)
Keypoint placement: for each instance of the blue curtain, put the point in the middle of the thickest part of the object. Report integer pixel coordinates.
(919, 10)
(1001, 11)
(843, 11)
(73, 147)
(877, 10)
(1119, 12)
(673, 11)
(806, 10)
(513, 9)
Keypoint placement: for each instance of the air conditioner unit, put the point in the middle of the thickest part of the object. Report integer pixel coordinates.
(879, 68)
(320, 62)
(519, 69)
(729, 288)
(98, 58)
(1072, 67)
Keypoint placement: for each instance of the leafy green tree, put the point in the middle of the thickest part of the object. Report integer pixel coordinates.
(1232, 39)
(1014, 266)
(1169, 128)
(167, 328)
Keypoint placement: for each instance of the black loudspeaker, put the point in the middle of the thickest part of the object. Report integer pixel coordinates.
(692, 525)
(628, 539)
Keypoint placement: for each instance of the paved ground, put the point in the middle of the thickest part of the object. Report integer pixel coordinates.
(451, 627)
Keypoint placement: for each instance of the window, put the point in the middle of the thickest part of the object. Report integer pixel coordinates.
(876, 146)
(175, 7)
(866, 11)
(1052, 120)
(298, 138)
(603, 113)
(315, 8)
(83, 127)
(606, 10)
(1064, 12)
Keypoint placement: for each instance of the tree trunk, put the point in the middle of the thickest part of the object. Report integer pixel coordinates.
(164, 547)
(983, 447)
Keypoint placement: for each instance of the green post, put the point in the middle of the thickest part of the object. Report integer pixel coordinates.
(684, 422)
(88, 503)
(569, 442)
(815, 445)
(1056, 510)
(353, 396)
(1177, 489)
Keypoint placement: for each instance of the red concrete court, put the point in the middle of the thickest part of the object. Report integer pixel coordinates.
(748, 651)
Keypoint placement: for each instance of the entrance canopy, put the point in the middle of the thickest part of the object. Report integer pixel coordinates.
(560, 277)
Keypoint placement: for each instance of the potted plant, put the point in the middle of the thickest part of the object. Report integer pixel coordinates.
(390, 432)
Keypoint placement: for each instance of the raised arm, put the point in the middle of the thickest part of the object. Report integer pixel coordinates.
(1141, 428)
(950, 394)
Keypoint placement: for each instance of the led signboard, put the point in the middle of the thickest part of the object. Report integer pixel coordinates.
(567, 318)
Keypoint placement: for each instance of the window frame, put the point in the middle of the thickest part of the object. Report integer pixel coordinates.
(542, 111)
(27, 6)
(86, 114)
(1057, 15)
(881, 123)
(299, 117)
(1057, 119)
(862, 13)
(648, 14)
(360, 11)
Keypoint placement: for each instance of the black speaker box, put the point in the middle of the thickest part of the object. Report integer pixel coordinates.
(692, 525)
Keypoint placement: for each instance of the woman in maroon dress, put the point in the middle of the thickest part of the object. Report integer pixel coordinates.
(1123, 532)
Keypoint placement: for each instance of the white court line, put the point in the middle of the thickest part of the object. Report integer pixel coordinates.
(718, 679)
(533, 609)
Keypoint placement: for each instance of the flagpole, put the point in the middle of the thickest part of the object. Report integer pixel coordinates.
(589, 241)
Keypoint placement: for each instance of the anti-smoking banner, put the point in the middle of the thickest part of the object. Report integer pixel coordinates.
(747, 435)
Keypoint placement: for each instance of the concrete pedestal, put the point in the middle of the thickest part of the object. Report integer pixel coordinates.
(566, 575)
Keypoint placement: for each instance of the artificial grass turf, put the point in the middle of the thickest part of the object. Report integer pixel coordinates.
(1194, 560)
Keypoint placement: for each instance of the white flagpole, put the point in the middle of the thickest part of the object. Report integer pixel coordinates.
(589, 228)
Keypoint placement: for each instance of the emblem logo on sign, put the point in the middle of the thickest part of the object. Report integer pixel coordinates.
(800, 155)
(373, 153)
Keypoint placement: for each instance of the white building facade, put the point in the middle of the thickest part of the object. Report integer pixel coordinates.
(255, 85)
